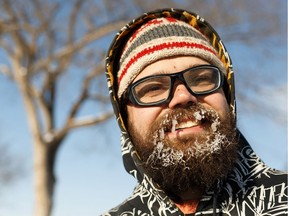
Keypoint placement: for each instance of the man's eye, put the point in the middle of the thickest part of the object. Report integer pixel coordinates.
(150, 90)
(203, 80)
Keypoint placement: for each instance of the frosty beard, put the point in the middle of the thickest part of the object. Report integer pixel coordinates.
(181, 164)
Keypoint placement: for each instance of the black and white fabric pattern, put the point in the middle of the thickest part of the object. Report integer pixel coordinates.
(251, 189)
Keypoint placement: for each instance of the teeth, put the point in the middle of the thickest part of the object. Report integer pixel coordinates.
(187, 124)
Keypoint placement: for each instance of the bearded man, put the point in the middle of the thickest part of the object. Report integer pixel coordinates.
(171, 82)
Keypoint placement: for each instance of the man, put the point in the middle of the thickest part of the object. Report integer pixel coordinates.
(171, 84)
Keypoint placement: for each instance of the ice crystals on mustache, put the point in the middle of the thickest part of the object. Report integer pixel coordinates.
(185, 118)
(171, 123)
(199, 114)
(174, 123)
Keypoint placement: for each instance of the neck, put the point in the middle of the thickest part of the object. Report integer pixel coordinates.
(189, 200)
(187, 206)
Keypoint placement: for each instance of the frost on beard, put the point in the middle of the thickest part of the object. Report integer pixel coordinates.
(215, 124)
(166, 155)
(174, 123)
(210, 143)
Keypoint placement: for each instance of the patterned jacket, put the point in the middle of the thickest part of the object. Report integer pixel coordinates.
(252, 188)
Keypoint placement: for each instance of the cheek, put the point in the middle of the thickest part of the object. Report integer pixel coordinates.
(142, 118)
(218, 102)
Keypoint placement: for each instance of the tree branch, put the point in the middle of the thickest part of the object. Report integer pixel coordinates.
(82, 122)
(25, 89)
(76, 46)
(72, 21)
(88, 121)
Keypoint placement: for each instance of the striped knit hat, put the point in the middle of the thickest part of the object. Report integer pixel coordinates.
(158, 39)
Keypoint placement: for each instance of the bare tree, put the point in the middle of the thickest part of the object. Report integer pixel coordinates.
(42, 40)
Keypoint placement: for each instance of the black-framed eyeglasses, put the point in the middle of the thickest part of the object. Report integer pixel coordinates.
(157, 89)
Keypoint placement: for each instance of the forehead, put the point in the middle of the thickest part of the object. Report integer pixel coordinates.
(170, 65)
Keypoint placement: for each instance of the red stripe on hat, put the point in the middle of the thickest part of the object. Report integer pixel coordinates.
(158, 47)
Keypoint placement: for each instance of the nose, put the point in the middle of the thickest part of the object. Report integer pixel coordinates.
(181, 97)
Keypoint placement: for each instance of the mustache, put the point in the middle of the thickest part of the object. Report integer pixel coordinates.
(195, 113)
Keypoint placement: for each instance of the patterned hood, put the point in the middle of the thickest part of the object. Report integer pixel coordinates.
(252, 188)
(130, 157)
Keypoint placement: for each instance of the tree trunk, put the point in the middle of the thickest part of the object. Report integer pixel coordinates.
(44, 178)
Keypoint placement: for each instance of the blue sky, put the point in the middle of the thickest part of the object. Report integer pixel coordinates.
(90, 174)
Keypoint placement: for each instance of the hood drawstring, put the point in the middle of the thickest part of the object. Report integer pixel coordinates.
(214, 203)
(215, 196)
